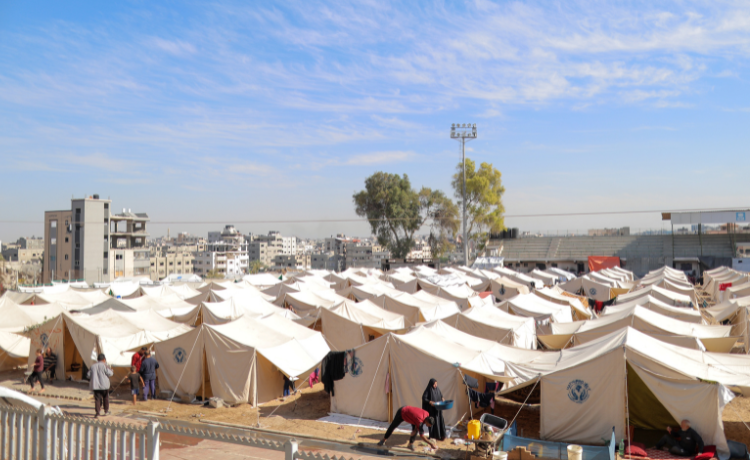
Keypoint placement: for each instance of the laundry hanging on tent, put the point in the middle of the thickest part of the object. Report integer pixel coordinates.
(481, 400)
(332, 368)
(724, 286)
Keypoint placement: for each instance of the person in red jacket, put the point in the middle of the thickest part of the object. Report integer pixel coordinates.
(138, 358)
(417, 418)
(36, 375)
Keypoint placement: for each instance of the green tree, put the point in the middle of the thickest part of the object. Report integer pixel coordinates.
(214, 274)
(392, 208)
(396, 212)
(444, 221)
(256, 266)
(484, 200)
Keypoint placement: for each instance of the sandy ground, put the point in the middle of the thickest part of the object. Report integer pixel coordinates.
(299, 414)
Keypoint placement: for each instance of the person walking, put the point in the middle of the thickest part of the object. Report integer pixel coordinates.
(99, 375)
(148, 372)
(432, 395)
(50, 364)
(136, 382)
(36, 374)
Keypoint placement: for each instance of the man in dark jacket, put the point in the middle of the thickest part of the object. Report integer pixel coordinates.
(50, 363)
(148, 372)
(685, 443)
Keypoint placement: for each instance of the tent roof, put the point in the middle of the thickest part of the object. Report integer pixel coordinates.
(294, 349)
(114, 324)
(656, 291)
(371, 315)
(16, 318)
(15, 345)
(495, 317)
(684, 314)
(262, 279)
(75, 298)
(110, 304)
(148, 302)
(534, 306)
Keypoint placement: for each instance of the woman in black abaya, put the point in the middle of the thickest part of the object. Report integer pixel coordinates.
(430, 396)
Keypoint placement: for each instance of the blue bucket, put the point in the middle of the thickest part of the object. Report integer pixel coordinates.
(443, 405)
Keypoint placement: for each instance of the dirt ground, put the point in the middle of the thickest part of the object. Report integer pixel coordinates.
(299, 414)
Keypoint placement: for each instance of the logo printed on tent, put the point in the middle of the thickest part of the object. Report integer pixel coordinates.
(45, 340)
(578, 391)
(179, 355)
(740, 217)
(357, 368)
(592, 291)
(502, 290)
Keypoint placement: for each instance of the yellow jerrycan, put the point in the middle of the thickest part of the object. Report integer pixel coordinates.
(474, 429)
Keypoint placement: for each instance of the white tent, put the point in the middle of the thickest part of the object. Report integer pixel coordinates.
(736, 312)
(562, 275)
(156, 303)
(14, 350)
(351, 324)
(533, 306)
(586, 390)
(457, 293)
(504, 288)
(740, 290)
(683, 314)
(243, 361)
(545, 278)
(556, 295)
(403, 282)
(18, 318)
(419, 307)
(491, 323)
(368, 291)
(79, 338)
(666, 296)
(262, 280)
(74, 298)
(427, 351)
(307, 302)
(671, 330)
(225, 311)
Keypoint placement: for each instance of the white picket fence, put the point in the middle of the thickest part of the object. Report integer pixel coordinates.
(30, 435)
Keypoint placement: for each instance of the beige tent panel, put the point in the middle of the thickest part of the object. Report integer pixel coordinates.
(719, 344)
(555, 342)
(231, 366)
(587, 394)
(349, 393)
(14, 350)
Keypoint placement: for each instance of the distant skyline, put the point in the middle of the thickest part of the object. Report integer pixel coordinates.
(233, 112)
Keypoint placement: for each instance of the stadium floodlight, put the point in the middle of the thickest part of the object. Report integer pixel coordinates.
(464, 133)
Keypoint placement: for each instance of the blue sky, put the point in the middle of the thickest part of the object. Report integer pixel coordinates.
(263, 111)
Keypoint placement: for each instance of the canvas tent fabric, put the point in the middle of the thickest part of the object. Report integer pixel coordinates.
(504, 288)
(579, 310)
(597, 263)
(562, 275)
(262, 280)
(533, 306)
(580, 385)
(369, 291)
(307, 302)
(17, 318)
(741, 290)
(156, 303)
(404, 282)
(113, 333)
(736, 312)
(664, 328)
(688, 315)
(491, 323)
(243, 361)
(14, 350)
(351, 324)
(545, 278)
(418, 308)
(456, 293)
(429, 350)
(665, 295)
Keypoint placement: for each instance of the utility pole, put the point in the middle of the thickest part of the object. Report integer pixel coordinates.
(463, 133)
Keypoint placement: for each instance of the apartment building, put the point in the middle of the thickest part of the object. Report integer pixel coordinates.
(324, 261)
(337, 245)
(170, 260)
(226, 252)
(88, 242)
(267, 247)
(24, 250)
(359, 255)
(300, 260)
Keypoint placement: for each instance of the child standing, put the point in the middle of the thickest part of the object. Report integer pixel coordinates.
(136, 382)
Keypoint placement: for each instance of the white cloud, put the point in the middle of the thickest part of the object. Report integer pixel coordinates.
(375, 158)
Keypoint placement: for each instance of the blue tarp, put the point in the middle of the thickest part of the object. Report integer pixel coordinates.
(559, 450)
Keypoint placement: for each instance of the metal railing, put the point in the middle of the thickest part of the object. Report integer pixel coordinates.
(42, 435)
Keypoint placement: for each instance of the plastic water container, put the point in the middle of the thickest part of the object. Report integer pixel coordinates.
(474, 429)
(575, 452)
(500, 455)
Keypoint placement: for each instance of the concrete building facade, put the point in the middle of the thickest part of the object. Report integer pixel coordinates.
(226, 253)
(89, 243)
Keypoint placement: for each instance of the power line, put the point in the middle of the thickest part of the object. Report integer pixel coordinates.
(313, 221)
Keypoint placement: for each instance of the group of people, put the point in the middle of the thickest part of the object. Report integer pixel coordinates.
(143, 368)
(44, 362)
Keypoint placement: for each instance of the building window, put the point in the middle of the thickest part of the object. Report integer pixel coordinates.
(53, 240)
(104, 271)
(106, 205)
(66, 239)
(53, 224)
(66, 257)
(118, 256)
(106, 254)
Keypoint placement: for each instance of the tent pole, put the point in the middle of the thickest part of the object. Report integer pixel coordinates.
(203, 376)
